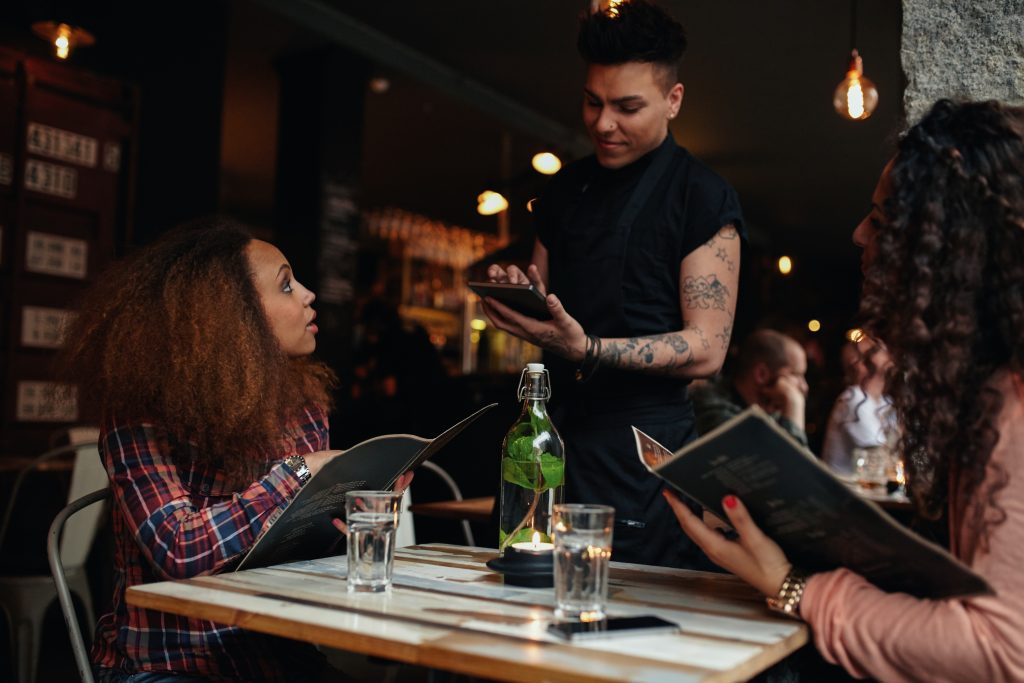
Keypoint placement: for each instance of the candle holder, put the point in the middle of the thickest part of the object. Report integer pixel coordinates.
(526, 566)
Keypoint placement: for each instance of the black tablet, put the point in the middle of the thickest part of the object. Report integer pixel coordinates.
(525, 299)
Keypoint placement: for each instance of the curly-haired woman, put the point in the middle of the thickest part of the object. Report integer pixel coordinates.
(944, 289)
(196, 351)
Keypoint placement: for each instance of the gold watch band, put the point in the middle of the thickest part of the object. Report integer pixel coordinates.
(792, 590)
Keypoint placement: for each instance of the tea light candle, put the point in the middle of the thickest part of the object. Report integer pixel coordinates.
(527, 563)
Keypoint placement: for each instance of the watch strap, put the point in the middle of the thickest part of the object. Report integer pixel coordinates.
(790, 593)
(297, 464)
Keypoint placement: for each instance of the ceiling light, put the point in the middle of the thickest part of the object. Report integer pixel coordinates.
(856, 96)
(489, 203)
(813, 325)
(785, 265)
(546, 163)
(63, 36)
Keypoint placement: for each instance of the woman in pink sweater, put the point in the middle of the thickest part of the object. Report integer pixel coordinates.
(943, 270)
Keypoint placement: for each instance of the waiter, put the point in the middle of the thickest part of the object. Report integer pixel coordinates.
(638, 252)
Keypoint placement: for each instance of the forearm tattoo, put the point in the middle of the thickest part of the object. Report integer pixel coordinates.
(555, 343)
(705, 344)
(725, 335)
(705, 291)
(649, 353)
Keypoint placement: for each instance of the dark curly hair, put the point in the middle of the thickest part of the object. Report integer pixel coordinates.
(177, 336)
(946, 295)
(633, 31)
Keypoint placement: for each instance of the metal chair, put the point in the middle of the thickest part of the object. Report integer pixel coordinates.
(25, 598)
(54, 553)
(456, 494)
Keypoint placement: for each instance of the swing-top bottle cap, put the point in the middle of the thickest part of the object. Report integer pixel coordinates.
(535, 367)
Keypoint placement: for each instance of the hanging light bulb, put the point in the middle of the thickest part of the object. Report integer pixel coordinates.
(856, 96)
(63, 36)
(489, 203)
(546, 163)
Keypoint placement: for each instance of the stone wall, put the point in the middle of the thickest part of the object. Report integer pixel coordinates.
(970, 49)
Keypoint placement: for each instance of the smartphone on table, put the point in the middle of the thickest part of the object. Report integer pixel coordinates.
(612, 627)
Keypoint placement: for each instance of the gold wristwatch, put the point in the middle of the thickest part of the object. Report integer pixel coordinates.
(298, 465)
(792, 590)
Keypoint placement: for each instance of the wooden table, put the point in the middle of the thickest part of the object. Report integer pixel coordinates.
(471, 509)
(448, 611)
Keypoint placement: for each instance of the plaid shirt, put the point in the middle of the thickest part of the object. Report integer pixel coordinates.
(174, 522)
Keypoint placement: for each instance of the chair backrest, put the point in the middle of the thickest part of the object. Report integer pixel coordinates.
(54, 554)
(88, 475)
(406, 533)
(456, 494)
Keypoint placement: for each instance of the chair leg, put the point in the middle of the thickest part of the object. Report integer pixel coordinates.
(78, 583)
(30, 633)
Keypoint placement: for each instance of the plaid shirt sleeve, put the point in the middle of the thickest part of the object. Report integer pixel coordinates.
(182, 531)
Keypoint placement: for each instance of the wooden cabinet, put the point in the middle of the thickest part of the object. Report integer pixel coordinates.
(66, 144)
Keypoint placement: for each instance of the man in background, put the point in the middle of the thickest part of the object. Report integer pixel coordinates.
(770, 372)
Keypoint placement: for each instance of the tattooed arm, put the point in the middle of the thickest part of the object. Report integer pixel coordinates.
(708, 280)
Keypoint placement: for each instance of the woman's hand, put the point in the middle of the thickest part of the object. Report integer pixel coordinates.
(561, 335)
(401, 484)
(755, 558)
(316, 461)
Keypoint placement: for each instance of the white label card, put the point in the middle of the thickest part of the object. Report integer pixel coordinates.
(47, 141)
(46, 402)
(44, 328)
(59, 181)
(56, 255)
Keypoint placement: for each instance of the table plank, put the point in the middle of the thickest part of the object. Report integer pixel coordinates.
(447, 611)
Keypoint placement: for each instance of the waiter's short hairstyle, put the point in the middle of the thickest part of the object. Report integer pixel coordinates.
(763, 346)
(633, 31)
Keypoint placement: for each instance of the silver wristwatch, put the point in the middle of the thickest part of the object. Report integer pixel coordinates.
(298, 465)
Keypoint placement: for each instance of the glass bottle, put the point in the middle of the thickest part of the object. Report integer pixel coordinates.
(532, 465)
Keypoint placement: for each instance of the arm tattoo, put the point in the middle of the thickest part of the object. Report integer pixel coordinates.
(641, 352)
(700, 333)
(554, 343)
(728, 233)
(725, 335)
(705, 292)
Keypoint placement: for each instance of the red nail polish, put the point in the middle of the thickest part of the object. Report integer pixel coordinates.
(730, 502)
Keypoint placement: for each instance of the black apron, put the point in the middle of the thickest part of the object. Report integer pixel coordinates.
(594, 418)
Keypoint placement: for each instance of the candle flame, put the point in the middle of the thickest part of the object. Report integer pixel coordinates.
(536, 539)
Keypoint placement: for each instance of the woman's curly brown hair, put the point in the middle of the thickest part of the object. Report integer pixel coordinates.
(946, 294)
(177, 336)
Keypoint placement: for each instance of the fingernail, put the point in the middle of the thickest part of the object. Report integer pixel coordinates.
(730, 502)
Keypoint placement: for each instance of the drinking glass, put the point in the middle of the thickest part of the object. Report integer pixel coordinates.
(372, 518)
(583, 546)
(871, 465)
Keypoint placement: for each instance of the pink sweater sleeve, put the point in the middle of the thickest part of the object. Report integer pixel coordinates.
(896, 637)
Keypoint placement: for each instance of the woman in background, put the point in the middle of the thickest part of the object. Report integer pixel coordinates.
(944, 291)
(213, 417)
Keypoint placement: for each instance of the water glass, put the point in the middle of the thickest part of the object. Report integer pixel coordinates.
(871, 465)
(372, 518)
(583, 547)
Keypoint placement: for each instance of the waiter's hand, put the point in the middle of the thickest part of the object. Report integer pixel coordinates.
(561, 335)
